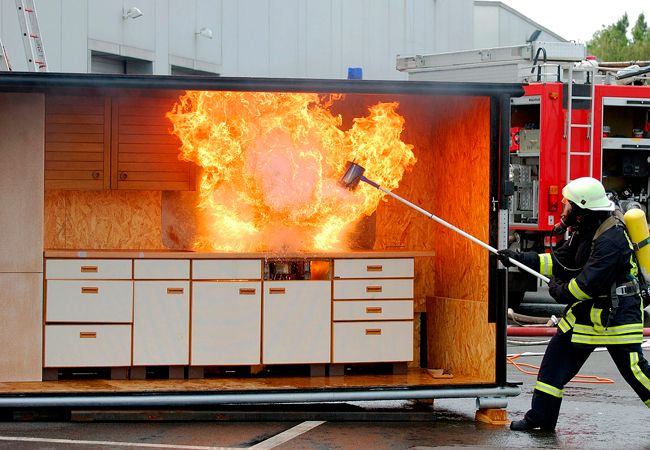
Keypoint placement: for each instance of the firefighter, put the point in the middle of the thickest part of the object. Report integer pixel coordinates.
(595, 274)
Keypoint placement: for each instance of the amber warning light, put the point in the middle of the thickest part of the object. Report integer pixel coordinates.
(270, 165)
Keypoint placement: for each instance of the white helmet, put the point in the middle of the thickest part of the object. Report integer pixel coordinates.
(588, 193)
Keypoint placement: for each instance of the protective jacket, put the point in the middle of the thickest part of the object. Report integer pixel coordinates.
(595, 273)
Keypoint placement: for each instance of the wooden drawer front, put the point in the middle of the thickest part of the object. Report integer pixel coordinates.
(373, 268)
(297, 321)
(89, 269)
(87, 345)
(360, 289)
(373, 310)
(227, 269)
(161, 269)
(373, 341)
(161, 320)
(89, 301)
(226, 323)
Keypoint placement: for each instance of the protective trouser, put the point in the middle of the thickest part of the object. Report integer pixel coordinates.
(561, 363)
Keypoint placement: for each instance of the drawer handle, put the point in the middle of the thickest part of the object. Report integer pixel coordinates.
(374, 268)
(374, 310)
(277, 290)
(90, 290)
(88, 269)
(175, 290)
(247, 291)
(373, 288)
(87, 334)
(373, 331)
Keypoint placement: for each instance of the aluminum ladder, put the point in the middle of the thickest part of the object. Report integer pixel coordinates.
(590, 73)
(5, 65)
(34, 50)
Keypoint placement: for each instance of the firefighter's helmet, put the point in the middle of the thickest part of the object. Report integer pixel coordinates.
(588, 193)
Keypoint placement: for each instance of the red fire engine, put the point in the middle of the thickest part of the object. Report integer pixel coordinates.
(562, 131)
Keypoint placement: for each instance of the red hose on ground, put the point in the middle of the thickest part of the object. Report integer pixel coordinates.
(544, 331)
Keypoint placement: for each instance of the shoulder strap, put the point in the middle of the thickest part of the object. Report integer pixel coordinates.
(610, 222)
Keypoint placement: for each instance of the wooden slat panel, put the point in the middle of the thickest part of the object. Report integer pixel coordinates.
(150, 148)
(72, 175)
(75, 128)
(145, 120)
(155, 175)
(145, 129)
(75, 109)
(148, 139)
(74, 165)
(87, 147)
(135, 103)
(72, 137)
(53, 100)
(73, 118)
(149, 167)
(70, 156)
(149, 157)
(78, 185)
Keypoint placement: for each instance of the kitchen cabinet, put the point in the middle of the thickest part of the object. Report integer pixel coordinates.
(110, 142)
(373, 310)
(161, 312)
(88, 313)
(297, 322)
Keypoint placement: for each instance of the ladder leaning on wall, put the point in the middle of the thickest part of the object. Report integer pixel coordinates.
(32, 42)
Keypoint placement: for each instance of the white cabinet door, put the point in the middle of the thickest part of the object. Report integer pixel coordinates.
(296, 325)
(226, 323)
(88, 345)
(383, 341)
(161, 319)
(89, 301)
(373, 268)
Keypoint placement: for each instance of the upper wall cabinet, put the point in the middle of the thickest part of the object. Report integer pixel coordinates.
(77, 142)
(144, 154)
(94, 143)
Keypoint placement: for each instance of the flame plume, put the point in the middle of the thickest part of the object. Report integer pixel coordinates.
(271, 164)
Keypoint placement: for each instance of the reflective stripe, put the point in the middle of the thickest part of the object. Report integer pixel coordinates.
(638, 373)
(576, 291)
(578, 338)
(596, 319)
(545, 264)
(567, 322)
(610, 331)
(647, 403)
(548, 389)
(634, 269)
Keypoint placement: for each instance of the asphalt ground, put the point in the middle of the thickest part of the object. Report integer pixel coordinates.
(593, 416)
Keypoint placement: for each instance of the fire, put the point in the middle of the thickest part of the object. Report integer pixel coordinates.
(271, 163)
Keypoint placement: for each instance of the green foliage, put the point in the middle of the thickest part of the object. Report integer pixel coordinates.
(612, 43)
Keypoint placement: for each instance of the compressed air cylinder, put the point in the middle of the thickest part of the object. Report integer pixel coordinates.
(637, 228)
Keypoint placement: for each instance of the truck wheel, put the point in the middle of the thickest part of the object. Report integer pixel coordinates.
(515, 298)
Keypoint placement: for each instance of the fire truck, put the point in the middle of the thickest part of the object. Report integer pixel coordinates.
(577, 118)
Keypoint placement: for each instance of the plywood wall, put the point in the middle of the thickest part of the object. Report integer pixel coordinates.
(103, 220)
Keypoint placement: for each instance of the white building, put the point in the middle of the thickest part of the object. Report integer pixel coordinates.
(267, 38)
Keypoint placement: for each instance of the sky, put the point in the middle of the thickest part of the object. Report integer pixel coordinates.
(578, 20)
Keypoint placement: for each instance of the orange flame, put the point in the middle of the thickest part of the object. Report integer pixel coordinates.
(271, 165)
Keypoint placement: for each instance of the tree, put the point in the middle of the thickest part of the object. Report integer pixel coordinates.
(611, 43)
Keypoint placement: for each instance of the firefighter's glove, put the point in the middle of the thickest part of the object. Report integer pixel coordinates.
(557, 290)
(505, 254)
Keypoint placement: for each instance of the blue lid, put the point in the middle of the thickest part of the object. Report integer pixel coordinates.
(355, 73)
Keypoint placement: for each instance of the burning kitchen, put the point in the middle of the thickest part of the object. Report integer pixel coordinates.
(192, 234)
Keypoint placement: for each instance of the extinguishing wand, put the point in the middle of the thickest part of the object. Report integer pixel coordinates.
(354, 174)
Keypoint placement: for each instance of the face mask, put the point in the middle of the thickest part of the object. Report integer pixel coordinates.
(568, 218)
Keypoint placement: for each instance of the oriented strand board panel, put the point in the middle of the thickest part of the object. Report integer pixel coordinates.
(460, 339)
(21, 182)
(103, 220)
(21, 326)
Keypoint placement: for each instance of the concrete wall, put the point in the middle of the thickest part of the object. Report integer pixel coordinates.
(275, 38)
(21, 243)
